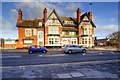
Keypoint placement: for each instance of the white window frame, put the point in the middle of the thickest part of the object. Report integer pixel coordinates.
(84, 39)
(55, 40)
(73, 40)
(71, 33)
(28, 32)
(28, 42)
(63, 32)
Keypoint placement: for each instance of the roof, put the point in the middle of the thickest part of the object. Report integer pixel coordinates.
(62, 19)
(35, 22)
(29, 23)
(102, 40)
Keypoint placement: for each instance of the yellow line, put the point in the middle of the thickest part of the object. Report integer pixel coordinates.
(65, 64)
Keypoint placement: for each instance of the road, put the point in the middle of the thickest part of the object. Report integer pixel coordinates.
(39, 59)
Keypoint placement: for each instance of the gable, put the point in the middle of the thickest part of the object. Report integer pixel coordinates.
(86, 21)
(85, 18)
(53, 20)
(53, 16)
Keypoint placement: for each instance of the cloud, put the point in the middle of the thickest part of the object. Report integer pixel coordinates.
(104, 31)
(112, 20)
(7, 27)
(32, 10)
(13, 14)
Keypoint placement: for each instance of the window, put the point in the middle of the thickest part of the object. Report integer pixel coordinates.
(83, 41)
(54, 40)
(53, 30)
(71, 33)
(86, 40)
(68, 22)
(27, 42)
(51, 41)
(89, 31)
(40, 23)
(28, 32)
(85, 31)
(73, 41)
(63, 33)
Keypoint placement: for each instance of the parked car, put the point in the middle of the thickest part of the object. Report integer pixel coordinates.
(35, 48)
(74, 49)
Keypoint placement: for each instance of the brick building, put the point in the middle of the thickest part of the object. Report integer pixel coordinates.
(55, 31)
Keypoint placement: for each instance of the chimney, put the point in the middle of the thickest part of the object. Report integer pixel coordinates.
(45, 14)
(78, 15)
(90, 15)
(19, 15)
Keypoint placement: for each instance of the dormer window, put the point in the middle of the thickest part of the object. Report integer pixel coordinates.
(68, 22)
(40, 23)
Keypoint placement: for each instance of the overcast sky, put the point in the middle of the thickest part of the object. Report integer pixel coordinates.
(105, 14)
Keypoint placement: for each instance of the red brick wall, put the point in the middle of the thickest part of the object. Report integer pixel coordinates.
(92, 31)
(60, 32)
(34, 37)
(21, 34)
(45, 35)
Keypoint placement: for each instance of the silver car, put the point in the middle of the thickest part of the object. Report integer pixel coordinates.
(74, 49)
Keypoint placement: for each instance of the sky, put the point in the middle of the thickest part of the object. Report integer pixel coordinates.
(105, 15)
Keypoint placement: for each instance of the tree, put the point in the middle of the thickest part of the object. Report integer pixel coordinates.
(114, 39)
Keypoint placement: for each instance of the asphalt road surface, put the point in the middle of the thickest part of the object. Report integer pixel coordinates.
(56, 58)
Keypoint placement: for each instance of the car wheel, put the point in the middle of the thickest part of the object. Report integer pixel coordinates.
(30, 52)
(84, 51)
(69, 51)
(44, 51)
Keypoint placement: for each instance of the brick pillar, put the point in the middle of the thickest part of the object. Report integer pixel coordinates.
(60, 32)
(79, 34)
(45, 35)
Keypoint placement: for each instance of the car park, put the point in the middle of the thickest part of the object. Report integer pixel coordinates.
(35, 48)
(74, 49)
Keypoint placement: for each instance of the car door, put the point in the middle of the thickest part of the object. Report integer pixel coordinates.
(39, 49)
(79, 49)
(75, 49)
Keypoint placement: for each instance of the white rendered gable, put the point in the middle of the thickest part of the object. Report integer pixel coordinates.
(86, 18)
(53, 20)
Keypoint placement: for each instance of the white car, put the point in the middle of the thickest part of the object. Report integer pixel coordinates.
(74, 49)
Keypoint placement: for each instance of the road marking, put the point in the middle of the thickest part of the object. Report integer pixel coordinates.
(100, 53)
(64, 75)
(84, 54)
(76, 74)
(112, 52)
(52, 55)
(10, 57)
(70, 63)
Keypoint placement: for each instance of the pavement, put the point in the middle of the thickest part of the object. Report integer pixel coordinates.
(100, 71)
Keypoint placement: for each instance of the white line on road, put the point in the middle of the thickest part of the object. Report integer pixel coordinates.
(100, 53)
(70, 63)
(52, 55)
(112, 52)
(10, 57)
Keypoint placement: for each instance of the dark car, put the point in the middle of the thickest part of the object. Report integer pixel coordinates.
(35, 48)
